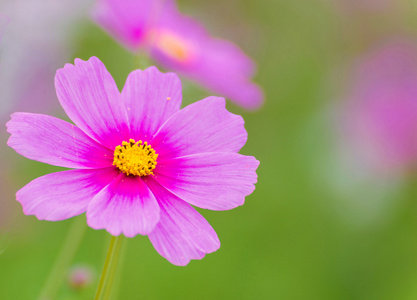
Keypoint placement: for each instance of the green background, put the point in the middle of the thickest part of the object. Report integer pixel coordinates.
(310, 230)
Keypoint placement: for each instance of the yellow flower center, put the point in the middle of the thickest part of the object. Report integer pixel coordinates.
(172, 45)
(135, 158)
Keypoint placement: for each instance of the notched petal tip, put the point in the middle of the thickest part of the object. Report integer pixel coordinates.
(78, 62)
(111, 231)
(254, 164)
(90, 97)
(156, 72)
(13, 118)
(201, 127)
(117, 232)
(228, 178)
(182, 233)
(9, 125)
(153, 69)
(53, 141)
(62, 195)
(126, 206)
(150, 97)
(185, 261)
(92, 59)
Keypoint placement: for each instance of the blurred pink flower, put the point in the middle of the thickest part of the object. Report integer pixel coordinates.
(80, 277)
(124, 184)
(381, 114)
(180, 44)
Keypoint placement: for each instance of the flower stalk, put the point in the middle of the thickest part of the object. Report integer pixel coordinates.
(114, 280)
(109, 269)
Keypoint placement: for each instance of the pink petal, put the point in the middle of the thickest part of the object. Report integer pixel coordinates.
(219, 52)
(56, 142)
(126, 20)
(150, 97)
(172, 17)
(227, 71)
(182, 233)
(205, 126)
(125, 206)
(63, 195)
(216, 64)
(91, 99)
(218, 72)
(216, 181)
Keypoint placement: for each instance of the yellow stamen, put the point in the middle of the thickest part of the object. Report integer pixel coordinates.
(135, 158)
(172, 45)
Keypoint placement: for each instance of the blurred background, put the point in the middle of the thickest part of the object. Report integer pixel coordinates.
(334, 213)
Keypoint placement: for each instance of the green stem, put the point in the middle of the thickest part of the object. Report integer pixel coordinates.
(69, 248)
(113, 281)
(111, 260)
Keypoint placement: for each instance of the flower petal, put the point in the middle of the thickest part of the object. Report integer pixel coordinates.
(216, 64)
(214, 53)
(63, 195)
(56, 142)
(125, 206)
(205, 126)
(126, 20)
(90, 97)
(216, 181)
(224, 69)
(182, 233)
(150, 97)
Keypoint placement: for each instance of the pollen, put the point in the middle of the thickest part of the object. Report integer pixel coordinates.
(135, 158)
(172, 45)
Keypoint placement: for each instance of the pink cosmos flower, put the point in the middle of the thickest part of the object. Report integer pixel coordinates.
(180, 44)
(381, 116)
(139, 160)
